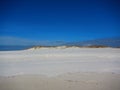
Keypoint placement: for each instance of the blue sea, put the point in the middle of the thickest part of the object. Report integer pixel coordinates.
(13, 48)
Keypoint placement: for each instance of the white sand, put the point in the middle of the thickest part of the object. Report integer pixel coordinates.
(61, 69)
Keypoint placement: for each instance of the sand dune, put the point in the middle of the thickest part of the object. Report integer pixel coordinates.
(60, 69)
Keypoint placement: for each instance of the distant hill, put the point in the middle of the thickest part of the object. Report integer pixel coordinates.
(107, 42)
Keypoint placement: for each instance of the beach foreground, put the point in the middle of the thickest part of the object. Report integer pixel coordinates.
(60, 69)
(69, 81)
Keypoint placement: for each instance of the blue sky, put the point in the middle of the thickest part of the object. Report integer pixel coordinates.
(59, 20)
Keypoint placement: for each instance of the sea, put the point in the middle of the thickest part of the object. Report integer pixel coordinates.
(13, 48)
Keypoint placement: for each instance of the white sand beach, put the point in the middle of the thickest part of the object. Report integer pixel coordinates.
(60, 69)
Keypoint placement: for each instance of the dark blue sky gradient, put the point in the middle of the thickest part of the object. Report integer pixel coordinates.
(66, 20)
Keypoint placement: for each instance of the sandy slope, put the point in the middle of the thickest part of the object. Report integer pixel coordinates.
(60, 69)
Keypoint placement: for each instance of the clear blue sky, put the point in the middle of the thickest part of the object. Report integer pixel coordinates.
(66, 20)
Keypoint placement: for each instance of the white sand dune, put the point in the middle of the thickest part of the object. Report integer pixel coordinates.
(60, 69)
(59, 61)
